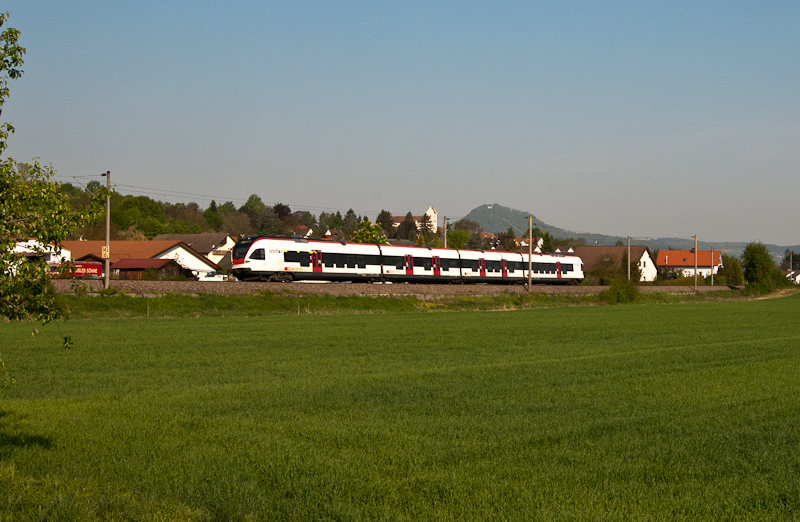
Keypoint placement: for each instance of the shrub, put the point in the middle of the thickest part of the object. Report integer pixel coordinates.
(621, 291)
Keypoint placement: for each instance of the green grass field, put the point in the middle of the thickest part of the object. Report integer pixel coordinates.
(636, 412)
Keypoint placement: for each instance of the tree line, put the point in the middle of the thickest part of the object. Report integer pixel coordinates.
(141, 217)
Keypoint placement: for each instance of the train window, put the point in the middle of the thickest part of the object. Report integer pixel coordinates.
(304, 258)
(470, 263)
(328, 259)
(361, 261)
(339, 260)
(424, 262)
(351, 260)
(372, 260)
(566, 268)
(493, 266)
(258, 253)
(240, 249)
(291, 257)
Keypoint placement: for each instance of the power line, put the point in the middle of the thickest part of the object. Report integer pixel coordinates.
(149, 191)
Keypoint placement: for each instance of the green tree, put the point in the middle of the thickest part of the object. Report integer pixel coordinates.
(212, 216)
(32, 205)
(384, 220)
(427, 229)
(730, 273)
(759, 269)
(237, 224)
(268, 221)
(253, 208)
(457, 239)
(606, 270)
(547, 244)
(468, 225)
(368, 233)
(226, 207)
(508, 241)
(408, 228)
(757, 262)
(350, 223)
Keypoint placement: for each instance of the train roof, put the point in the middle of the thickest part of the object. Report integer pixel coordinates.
(304, 240)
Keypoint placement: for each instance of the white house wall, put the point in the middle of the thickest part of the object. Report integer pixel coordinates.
(648, 267)
(701, 271)
(219, 253)
(186, 259)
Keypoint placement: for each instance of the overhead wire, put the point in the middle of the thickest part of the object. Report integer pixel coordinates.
(149, 191)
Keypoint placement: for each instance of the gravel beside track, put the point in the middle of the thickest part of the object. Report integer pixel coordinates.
(422, 291)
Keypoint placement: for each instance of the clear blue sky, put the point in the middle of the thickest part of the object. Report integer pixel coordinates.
(648, 119)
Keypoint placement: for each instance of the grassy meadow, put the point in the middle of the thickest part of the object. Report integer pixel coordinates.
(636, 412)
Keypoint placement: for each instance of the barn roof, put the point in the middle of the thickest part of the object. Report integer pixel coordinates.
(203, 243)
(140, 264)
(591, 255)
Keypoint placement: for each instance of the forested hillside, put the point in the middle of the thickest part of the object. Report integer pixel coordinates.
(497, 218)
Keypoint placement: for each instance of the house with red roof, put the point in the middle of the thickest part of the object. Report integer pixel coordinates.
(683, 261)
(180, 252)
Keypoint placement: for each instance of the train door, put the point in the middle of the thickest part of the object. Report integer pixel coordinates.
(558, 269)
(437, 265)
(409, 263)
(482, 267)
(504, 267)
(316, 261)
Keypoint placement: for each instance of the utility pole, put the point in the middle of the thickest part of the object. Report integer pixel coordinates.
(107, 249)
(695, 263)
(444, 229)
(629, 259)
(530, 250)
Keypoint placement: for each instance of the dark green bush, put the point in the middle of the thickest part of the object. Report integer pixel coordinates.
(621, 291)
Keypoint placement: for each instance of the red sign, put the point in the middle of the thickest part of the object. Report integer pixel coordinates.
(84, 269)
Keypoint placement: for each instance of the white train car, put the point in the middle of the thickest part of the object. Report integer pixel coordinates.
(287, 259)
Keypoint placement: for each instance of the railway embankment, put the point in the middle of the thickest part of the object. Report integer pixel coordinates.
(420, 291)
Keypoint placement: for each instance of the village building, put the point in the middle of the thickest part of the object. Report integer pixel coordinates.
(433, 218)
(214, 246)
(594, 256)
(138, 269)
(683, 262)
(183, 254)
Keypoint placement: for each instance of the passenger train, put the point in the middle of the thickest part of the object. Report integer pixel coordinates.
(287, 259)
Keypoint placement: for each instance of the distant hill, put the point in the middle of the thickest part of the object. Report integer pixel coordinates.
(497, 218)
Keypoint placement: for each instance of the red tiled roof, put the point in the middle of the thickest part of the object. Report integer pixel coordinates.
(119, 249)
(127, 249)
(685, 258)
